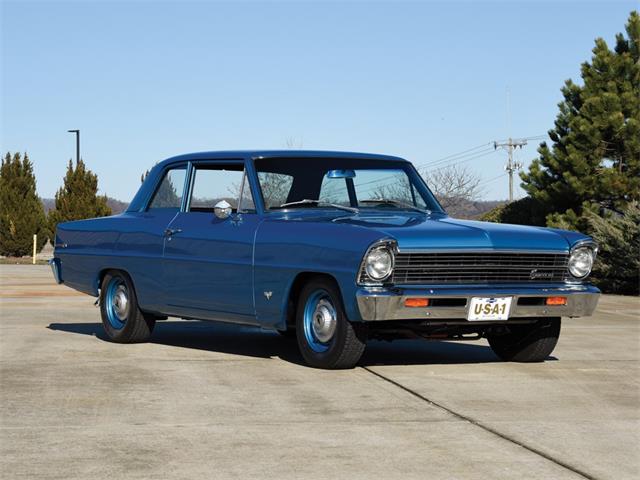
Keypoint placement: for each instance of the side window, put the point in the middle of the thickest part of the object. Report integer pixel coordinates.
(213, 183)
(334, 190)
(168, 195)
(275, 188)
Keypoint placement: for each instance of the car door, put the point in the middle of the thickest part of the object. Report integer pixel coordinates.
(141, 240)
(208, 261)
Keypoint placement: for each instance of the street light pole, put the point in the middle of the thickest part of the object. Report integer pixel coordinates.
(77, 132)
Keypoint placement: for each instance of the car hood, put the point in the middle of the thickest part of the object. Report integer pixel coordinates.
(417, 232)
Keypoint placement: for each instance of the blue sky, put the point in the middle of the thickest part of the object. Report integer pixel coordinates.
(147, 80)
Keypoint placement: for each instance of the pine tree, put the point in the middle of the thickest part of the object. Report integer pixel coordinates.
(21, 211)
(78, 197)
(166, 195)
(618, 263)
(594, 162)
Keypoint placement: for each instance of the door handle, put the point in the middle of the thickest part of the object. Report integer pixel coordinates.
(171, 231)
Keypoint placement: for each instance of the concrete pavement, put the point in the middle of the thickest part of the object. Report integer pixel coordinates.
(205, 400)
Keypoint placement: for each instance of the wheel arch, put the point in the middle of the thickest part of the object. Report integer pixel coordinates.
(293, 294)
(100, 279)
(103, 272)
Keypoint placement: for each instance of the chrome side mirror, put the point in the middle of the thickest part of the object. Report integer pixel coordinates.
(222, 209)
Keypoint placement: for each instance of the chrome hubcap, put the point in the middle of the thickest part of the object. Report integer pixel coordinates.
(324, 321)
(120, 303)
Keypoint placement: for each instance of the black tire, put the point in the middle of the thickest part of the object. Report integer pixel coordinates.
(348, 341)
(135, 326)
(530, 342)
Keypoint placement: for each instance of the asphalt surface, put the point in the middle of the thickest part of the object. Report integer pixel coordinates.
(205, 400)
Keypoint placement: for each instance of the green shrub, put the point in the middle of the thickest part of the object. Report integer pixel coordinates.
(617, 268)
(525, 211)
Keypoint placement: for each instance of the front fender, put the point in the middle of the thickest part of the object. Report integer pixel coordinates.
(284, 249)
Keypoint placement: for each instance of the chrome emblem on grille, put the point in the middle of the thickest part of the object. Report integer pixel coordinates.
(536, 274)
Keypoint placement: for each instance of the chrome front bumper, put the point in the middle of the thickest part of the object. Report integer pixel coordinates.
(388, 303)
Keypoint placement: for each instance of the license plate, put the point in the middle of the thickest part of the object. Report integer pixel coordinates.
(485, 308)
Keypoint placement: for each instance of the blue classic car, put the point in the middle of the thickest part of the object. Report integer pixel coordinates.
(333, 248)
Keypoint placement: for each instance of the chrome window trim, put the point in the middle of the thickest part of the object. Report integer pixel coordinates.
(244, 178)
(198, 164)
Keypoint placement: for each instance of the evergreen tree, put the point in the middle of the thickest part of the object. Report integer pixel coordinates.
(594, 162)
(166, 196)
(618, 263)
(78, 197)
(524, 211)
(21, 211)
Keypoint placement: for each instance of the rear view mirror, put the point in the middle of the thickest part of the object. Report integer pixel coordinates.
(341, 174)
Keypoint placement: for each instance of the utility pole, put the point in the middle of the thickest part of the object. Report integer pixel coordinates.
(510, 145)
(77, 132)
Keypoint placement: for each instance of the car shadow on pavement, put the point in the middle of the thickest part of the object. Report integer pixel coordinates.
(254, 342)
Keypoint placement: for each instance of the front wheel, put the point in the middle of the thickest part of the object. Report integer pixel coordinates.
(529, 342)
(122, 319)
(326, 338)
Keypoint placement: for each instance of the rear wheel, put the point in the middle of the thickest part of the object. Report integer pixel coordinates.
(122, 319)
(531, 342)
(326, 338)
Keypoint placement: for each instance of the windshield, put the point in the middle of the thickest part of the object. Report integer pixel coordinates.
(334, 182)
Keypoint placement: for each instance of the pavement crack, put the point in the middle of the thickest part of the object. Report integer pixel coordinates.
(481, 425)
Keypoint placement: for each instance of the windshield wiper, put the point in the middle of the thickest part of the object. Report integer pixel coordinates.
(396, 203)
(320, 203)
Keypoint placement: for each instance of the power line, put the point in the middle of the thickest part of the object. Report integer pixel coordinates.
(425, 172)
(486, 182)
(460, 158)
(533, 137)
(453, 161)
(466, 160)
(456, 161)
(454, 156)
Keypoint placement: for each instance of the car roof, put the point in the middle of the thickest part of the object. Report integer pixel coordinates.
(152, 178)
(260, 154)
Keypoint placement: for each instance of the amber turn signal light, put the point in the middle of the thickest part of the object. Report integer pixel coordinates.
(556, 300)
(416, 302)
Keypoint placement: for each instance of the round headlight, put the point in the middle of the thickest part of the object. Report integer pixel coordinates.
(379, 263)
(581, 262)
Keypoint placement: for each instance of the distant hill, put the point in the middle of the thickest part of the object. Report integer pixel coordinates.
(472, 210)
(116, 205)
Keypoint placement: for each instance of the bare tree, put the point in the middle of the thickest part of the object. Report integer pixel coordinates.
(294, 143)
(455, 187)
(275, 188)
(397, 188)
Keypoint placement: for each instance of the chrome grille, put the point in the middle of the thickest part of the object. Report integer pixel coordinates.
(490, 267)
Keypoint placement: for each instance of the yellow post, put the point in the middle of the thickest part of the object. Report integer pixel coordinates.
(35, 243)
